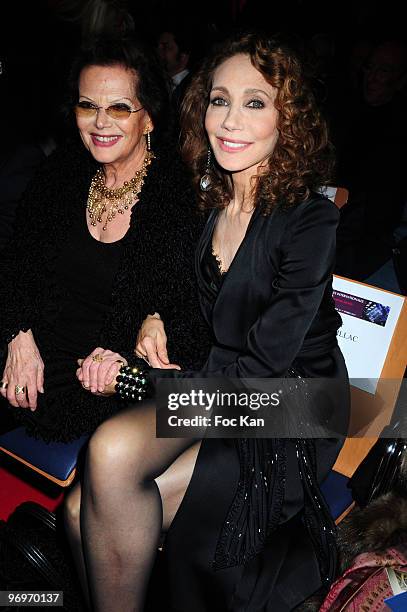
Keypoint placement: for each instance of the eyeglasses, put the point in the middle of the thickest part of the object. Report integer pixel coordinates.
(115, 111)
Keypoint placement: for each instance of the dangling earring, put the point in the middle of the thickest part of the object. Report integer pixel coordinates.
(205, 182)
(148, 138)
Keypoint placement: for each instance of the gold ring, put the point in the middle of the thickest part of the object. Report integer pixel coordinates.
(3, 385)
(98, 357)
(19, 389)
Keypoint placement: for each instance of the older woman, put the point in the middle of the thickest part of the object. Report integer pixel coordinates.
(105, 237)
(253, 531)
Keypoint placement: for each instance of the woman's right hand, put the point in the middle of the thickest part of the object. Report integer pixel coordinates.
(25, 369)
(152, 343)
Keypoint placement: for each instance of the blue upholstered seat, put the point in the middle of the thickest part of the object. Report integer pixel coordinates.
(337, 494)
(56, 460)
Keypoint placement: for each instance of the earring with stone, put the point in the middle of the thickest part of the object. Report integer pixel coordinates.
(148, 138)
(205, 183)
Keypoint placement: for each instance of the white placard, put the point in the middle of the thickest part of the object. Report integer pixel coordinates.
(328, 192)
(369, 318)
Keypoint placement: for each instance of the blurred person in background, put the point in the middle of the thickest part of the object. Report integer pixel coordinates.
(371, 164)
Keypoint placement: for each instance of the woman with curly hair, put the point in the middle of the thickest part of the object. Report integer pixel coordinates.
(252, 531)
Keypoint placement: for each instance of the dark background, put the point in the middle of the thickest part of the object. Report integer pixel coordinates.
(39, 35)
(38, 39)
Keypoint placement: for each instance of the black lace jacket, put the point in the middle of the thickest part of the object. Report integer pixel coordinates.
(156, 273)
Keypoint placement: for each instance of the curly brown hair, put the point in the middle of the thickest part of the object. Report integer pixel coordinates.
(302, 159)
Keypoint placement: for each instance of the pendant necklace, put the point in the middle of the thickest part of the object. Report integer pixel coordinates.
(102, 200)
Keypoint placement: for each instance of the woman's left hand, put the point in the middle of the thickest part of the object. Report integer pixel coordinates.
(98, 371)
(151, 343)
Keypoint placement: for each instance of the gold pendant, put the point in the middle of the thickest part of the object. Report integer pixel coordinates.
(112, 201)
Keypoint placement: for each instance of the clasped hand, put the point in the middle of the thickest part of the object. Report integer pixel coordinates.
(98, 371)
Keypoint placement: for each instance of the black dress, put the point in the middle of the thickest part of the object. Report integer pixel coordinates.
(84, 274)
(272, 308)
(84, 271)
(49, 284)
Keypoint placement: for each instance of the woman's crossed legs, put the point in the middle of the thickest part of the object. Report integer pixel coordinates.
(133, 486)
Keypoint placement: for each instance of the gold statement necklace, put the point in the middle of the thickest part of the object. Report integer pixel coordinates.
(102, 200)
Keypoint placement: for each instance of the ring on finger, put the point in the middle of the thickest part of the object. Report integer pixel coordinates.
(98, 357)
(3, 385)
(19, 390)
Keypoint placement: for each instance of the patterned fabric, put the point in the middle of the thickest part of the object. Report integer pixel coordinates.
(256, 509)
(364, 586)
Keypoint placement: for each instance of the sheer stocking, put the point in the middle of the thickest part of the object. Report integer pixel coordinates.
(121, 514)
(72, 525)
(172, 485)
